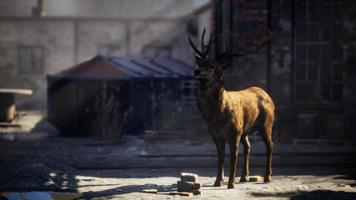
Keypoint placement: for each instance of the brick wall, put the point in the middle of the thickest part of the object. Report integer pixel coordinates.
(329, 96)
(249, 28)
(98, 8)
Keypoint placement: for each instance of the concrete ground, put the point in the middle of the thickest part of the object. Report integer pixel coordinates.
(40, 160)
(286, 184)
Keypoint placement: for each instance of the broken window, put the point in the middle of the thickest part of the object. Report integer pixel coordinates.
(30, 60)
(319, 51)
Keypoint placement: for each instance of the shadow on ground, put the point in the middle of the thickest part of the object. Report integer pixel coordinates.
(313, 195)
(351, 176)
(126, 190)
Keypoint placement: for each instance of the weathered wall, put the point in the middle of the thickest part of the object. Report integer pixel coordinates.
(59, 43)
(56, 40)
(99, 8)
(249, 28)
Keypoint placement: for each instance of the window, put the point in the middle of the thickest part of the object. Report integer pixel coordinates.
(188, 88)
(30, 60)
(319, 51)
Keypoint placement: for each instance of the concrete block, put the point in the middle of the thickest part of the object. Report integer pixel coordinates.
(188, 186)
(183, 186)
(255, 179)
(197, 186)
(188, 177)
(197, 192)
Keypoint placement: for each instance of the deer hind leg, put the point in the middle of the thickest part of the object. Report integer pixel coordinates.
(266, 133)
(220, 147)
(247, 146)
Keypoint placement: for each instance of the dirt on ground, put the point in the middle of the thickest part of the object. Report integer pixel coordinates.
(123, 168)
(78, 165)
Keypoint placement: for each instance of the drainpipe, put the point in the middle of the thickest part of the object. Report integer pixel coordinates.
(39, 10)
(269, 46)
(218, 25)
(41, 7)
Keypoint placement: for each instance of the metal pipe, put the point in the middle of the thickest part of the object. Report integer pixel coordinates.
(293, 49)
(41, 8)
(218, 26)
(269, 45)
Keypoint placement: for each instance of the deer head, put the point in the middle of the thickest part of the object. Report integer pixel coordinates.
(212, 68)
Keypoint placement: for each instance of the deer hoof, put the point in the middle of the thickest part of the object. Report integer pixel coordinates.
(217, 183)
(243, 179)
(230, 186)
(267, 179)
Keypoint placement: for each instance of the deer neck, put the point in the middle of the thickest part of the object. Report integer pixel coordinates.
(211, 93)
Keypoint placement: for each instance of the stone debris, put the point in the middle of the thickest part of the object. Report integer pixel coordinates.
(197, 192)
(188, 177)
(186, 186)
(197, 186)
(188, 183)
(255, 179)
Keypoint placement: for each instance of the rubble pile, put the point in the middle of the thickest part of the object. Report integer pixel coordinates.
(255, 179)
(189, 184)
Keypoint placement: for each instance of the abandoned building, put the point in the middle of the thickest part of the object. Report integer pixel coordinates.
(307, 67)
(108, 95)
(70, 32)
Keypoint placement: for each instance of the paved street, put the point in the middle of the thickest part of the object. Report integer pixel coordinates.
(122, 169)
(288, 183)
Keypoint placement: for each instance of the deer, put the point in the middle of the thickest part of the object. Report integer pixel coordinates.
(232, 115)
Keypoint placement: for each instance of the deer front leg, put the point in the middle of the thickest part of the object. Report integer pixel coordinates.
(245, 170)
(220, 147)
(234, 146)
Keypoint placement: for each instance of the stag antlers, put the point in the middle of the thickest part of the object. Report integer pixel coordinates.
(204, 49)
(227, 54)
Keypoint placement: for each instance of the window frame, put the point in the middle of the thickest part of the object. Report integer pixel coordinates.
(330, 102)
(37, 70)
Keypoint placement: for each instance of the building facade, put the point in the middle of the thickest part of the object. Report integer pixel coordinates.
(308, 66)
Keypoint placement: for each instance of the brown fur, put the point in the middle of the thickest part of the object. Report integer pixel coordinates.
(231, 116)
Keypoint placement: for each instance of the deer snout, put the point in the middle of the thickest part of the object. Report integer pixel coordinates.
(197, 72)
